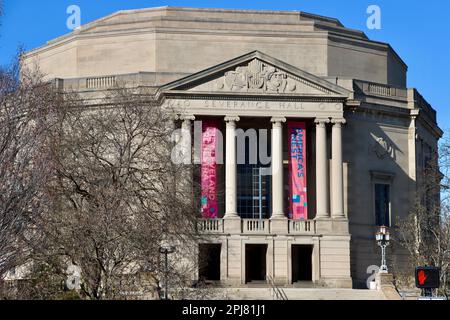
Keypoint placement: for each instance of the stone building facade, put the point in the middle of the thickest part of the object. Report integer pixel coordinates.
(367, 134)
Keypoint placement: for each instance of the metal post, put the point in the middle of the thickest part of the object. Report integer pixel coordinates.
(166, 250)
(383, 258)
(166, 286)
(428, 292)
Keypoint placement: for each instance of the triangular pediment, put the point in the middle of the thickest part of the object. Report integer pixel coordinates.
(255, 73)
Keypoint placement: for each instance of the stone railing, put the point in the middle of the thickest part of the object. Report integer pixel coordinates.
(211, 225)
(302, 227)
(381, 90)
(131, 80)
(255, 226)
(100, 82)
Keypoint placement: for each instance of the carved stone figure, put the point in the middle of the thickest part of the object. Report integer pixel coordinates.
(382, 148)
(257, 77)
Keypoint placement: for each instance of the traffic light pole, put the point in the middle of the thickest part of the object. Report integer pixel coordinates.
(428, 292)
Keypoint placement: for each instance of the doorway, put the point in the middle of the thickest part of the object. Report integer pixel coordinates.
(209, 262)
(301, 263)
(255, 262)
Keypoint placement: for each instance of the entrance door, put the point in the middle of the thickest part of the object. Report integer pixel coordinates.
(302, 263)
(209, 262)
(255, 262)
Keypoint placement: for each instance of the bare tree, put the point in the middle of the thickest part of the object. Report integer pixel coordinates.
(93, 187)
(24, 117)
(115, 196)
(425, 233)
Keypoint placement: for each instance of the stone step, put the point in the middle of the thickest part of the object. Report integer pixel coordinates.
(303, 294)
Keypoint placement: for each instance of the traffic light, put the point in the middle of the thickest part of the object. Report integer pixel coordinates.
(427, 277)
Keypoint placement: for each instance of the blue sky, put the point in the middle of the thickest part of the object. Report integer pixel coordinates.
(418, 30)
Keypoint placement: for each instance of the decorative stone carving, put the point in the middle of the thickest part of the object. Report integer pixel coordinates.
(232, 118)
(321, 122)
(382, 148)
(259, 76)
(186, 117)
(278, 119)
(338, 121)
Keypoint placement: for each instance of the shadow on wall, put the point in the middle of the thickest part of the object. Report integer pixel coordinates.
(374, 157)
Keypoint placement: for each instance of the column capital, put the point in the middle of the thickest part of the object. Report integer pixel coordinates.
(278, 119)
(321, 122)
(232, 119)
(187, 117)
(338, 121)
(414, 113)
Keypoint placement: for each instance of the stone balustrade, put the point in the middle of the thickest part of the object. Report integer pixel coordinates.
(101, 82)
(211, 225)
(257, 226)
(302, 227)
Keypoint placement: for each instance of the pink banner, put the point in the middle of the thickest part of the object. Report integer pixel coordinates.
(209, 203)
(297, 171)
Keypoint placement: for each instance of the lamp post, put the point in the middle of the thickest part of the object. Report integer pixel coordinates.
(166, 250)
(383, 238)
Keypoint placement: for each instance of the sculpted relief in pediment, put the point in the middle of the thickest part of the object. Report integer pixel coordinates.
(260, 77)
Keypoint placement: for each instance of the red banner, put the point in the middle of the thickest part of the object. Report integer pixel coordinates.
(209, 202)
(298, 209)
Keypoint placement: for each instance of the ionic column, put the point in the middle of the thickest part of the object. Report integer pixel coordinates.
(176, 134)
(186, 138)
(337, 188)
(321, 169)
(176, 138)
(277, 167)
(230, 168)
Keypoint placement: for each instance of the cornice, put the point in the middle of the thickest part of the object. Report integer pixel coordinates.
(432, 127)
(251, 96)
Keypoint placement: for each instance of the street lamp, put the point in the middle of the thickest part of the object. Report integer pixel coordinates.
(383, 238)
(166, 249)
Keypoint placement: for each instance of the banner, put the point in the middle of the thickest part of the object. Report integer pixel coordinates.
(209, 202)
(298, 207)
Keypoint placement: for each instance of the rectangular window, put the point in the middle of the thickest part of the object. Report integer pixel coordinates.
(253, 187)
(382, 204)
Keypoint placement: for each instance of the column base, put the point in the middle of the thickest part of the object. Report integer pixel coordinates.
(279, 224)
(340, 225)
(332, 225)
(232, 223)
(231, 215)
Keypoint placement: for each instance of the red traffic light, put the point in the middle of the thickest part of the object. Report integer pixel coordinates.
(427, 277)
